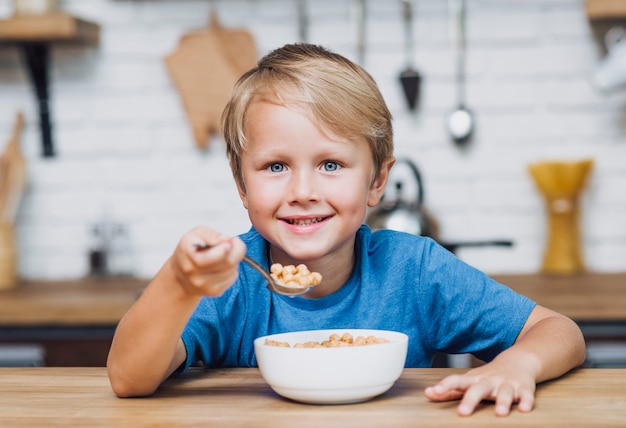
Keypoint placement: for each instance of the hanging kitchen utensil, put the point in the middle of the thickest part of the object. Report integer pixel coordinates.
(12, 184)
(403, 215)
(453, 246)
(409, 77)
(610, 73)
(303, 22)
(361, 11)
(460, 122)
(412, 217)
(12, 174)
(204, 67)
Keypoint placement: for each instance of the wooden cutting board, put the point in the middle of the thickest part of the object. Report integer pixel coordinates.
(12, 174)
(204, 67)
(12, 184)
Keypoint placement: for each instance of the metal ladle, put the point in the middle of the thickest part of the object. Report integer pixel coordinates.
(460, 122)
(273, 285)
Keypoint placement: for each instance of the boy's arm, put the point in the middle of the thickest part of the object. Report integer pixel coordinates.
(549, 345)
(147, 348)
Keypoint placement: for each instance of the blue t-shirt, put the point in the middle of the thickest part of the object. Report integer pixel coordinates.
(400, 282)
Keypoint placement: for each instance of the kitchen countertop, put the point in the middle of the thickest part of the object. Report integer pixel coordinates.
(90, 301)
(239, 397)
(585, 297)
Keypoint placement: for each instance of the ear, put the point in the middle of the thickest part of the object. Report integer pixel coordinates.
(377, 188)
(241, 189)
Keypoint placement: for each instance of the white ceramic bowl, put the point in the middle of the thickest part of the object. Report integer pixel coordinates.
(331, 375)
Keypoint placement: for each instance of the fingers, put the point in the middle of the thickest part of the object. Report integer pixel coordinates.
(222, 248)
(208, 271)
(472, 390)
(507, 395)
(453, 386)
(526, 401)
(449, 388)
(473, 396)
(439, 393)
(504, 399)
(202, 235)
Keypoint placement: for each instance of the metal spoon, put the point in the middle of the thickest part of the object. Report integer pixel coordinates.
(273, 285)
(461, 121)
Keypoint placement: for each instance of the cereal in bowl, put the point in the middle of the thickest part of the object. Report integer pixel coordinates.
(334, 341)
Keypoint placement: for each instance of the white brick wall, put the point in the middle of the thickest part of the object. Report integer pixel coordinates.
(124, 146)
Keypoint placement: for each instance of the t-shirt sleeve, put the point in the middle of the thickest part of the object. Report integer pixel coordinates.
(201, 336)
(469, 312)
(214, 334)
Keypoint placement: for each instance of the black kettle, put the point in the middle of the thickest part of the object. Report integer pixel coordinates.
(401, 214)
(412, 217)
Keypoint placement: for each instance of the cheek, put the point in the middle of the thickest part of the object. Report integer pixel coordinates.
(260, 197)
(354, 200)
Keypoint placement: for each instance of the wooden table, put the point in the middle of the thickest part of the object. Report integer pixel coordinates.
(41, 397)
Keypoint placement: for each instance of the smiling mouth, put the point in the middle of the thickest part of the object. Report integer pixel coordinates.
(304, 221)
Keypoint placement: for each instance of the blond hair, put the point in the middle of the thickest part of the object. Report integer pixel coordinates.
(337, 94)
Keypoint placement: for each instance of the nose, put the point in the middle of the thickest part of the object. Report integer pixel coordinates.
(303, 187)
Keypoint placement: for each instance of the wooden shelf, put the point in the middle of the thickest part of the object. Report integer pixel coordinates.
(605, 9)
(48, 28)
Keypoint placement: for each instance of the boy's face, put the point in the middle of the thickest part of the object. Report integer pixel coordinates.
(305, 192)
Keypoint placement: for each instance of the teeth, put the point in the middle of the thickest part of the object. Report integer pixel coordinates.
(305, 222)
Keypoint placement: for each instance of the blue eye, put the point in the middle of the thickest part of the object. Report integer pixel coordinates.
(276, 167)
(331, 166)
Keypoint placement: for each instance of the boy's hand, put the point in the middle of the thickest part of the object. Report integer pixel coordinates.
(495, 381)
(548, 346)
(207, 272)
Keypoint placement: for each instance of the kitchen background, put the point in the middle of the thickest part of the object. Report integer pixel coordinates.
(125, 153)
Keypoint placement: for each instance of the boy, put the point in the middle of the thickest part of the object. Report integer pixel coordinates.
(309, 140)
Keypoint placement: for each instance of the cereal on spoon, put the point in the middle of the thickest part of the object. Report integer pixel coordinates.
(295, 276)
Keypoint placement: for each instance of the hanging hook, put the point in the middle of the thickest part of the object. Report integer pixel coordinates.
(303, 21)
(213, 15)
(407, 13)
(361, 11)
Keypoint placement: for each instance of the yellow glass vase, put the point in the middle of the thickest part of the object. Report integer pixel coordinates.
(561, 184)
